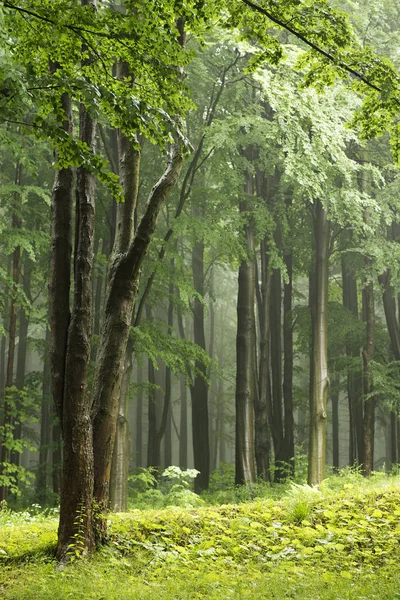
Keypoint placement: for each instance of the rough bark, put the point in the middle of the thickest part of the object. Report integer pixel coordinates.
(319, 349)
(60, 269)
(76, 506)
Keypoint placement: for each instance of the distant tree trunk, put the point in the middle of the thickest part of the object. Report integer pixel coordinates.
(21, 357)
(288, 363)
(334, 393)
(120, 460)
(276, 372)
(183, 419)
(168, 378)
(319, 349)
(245, 356)
(369, 400)
(45, 430)
(354, 381)
(221, 422)
(139, 419)
(262, 405)
(12, 330)
(199, 389)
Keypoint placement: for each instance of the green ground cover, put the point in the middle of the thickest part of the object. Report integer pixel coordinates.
(341, 541)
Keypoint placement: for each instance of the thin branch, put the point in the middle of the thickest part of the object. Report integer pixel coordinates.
(301, 37)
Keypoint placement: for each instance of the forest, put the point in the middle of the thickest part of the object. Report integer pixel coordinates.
(200, 296)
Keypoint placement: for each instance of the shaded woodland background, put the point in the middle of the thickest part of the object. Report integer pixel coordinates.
(284, 223)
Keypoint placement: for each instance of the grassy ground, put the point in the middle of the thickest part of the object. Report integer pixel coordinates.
(341, 542)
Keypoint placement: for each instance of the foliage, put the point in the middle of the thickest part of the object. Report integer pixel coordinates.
(345, 545)
(173, 488)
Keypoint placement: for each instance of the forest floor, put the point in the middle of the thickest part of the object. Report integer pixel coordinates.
(339, 542)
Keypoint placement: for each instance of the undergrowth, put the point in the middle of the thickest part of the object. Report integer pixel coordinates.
(340, 540)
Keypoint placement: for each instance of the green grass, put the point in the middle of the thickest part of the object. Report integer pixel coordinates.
(339, 542)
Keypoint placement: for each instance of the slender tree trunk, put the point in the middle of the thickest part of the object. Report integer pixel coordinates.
(335, 420)
(42, 472)
(369, 400)
(7, 423)
(245, 356)
(120, 460)
(354, 380)
(153, 444)
(262, 406)
(199, 389)
(168, 382)
(21, 358)
(288, 363)
(276, 372)
(319, 349)
(183, 425)
(139, 419)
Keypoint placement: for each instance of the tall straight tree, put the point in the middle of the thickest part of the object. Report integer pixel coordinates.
(319, 347)
(245, 344)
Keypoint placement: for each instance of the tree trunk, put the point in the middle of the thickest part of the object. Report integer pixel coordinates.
(288, 364)
(245, 356)
(21, 358)
(319, 349)
(354, 381)
(276, 372)
(262, 406)
(76, 507)
(335, 420)
(7, 424)
(199, 389)
(369, 400)
(139, 419)
(120, 460)
(42, 472)
(123, 283)
(183, 425)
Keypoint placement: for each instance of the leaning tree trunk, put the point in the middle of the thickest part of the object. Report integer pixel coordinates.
(245, 356)
(123, 283)
(319, 349)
